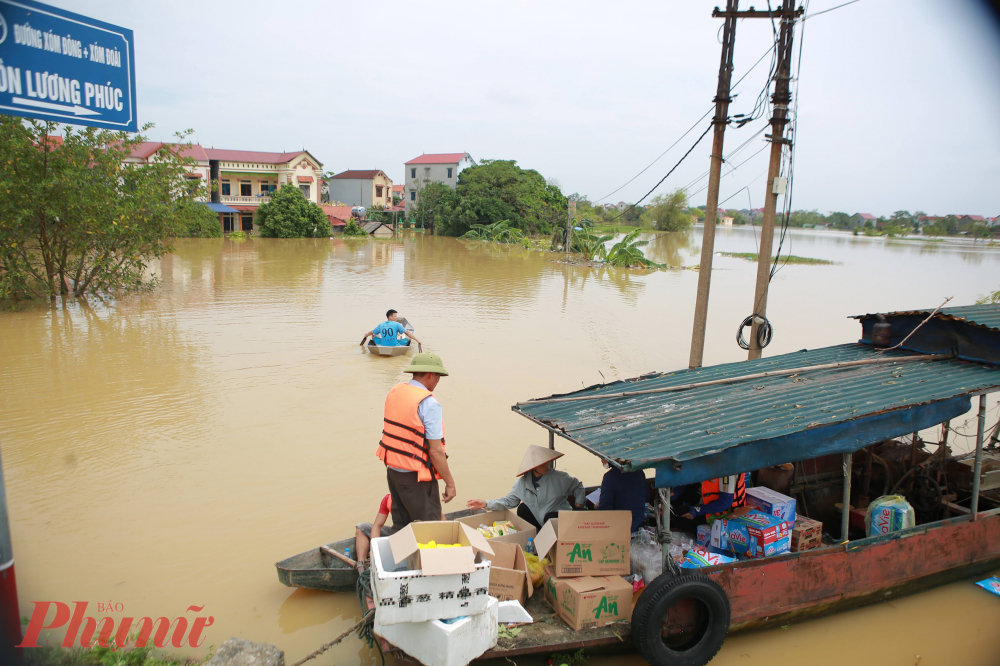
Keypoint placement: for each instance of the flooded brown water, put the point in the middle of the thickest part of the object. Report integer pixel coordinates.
(166, 450)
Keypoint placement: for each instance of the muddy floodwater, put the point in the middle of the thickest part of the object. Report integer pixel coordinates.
(164, 451)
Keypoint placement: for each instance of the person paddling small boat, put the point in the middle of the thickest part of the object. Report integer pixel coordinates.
(387, 335)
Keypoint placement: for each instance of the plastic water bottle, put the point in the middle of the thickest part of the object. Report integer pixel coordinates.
(347, 551)
(531, 547)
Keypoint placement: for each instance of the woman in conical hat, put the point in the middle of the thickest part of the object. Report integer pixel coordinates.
(540, 492)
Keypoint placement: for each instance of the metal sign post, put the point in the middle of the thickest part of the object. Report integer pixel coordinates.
(59, 66)
(10, 616)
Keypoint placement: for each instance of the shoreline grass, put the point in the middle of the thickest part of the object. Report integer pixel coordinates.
(791, 259)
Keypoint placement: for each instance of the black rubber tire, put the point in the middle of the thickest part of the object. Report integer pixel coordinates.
(660, 595)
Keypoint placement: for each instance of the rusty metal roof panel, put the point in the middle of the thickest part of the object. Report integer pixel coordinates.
(712, 422)
(987, 315)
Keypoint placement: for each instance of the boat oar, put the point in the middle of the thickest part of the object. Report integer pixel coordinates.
(340, 556)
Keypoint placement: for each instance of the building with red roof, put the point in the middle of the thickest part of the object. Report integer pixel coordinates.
(361, 188)
(432, 168)
(244, 178)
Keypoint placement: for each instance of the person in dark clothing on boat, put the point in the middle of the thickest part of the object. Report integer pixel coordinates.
(540, 492)
(412, 445)
(625, 491)
(692, 505)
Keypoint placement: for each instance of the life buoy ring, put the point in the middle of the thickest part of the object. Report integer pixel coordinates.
(704, 612)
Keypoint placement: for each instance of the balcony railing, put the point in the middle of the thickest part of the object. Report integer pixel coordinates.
(235, 199)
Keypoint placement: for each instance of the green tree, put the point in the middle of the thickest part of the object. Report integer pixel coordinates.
(430, 199)
(498, 190)
(201, 222)
(290, 215)
(839, 221)
(668, 211)
(992, 297)
(76, 218)
(353, 230)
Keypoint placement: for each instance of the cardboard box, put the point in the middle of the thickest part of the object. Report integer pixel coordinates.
(525, 530)
(437, 643)
(509, 576)
(772, 503)
(413, 585)
(757, 534)
(587, 543)
(549, 581)
(593, 601)
(806, 534)
(404, 545)
(719, 537)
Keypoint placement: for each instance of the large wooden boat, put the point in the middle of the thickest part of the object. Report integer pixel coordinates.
(830, 411)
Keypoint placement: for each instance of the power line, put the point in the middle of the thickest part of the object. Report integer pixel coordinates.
(661, 154)
(707, 130)
(829, 10)
(742, 122)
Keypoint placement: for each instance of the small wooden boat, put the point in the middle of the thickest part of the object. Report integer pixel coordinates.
(315, 570)
(397, 350)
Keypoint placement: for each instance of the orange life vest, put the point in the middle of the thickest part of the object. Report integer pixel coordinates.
(710, 490)
(403, 443)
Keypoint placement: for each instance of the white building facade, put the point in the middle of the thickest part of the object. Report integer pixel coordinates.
(432, 168)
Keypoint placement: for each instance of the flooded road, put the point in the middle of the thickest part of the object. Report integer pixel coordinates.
(165, 451)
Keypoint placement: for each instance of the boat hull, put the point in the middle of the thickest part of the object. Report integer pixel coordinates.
(799, 586)
(388, 351)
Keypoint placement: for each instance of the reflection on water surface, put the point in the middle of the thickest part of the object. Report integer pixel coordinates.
(166, 450)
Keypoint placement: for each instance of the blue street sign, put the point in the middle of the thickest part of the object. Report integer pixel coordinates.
(57, 65)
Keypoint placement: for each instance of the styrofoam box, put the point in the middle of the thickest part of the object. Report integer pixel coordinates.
(436, 643)
(407, 595)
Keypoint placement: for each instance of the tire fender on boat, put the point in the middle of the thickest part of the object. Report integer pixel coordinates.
(710, 620)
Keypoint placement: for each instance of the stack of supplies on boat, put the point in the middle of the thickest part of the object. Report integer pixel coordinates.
(431, 588)
(590, 552)
(807, 534)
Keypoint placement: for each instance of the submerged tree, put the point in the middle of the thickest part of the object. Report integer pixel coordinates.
(290, 215)
(668, 211)
(77, 218)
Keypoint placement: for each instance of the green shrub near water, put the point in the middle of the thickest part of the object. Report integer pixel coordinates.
(57, 656)
(290, 215)
(353, 230)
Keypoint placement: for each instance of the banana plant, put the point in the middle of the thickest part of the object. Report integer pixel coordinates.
(626, 253)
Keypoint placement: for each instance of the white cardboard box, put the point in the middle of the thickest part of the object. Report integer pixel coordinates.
(436, 643)
(407, 595)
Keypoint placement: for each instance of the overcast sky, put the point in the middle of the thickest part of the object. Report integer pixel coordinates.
(898, 101)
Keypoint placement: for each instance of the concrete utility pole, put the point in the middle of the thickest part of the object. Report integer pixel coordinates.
(781, 99)
(722, 100)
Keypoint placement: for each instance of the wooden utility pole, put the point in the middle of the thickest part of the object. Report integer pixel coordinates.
(569, 224)
(722, 100)
(781, 99)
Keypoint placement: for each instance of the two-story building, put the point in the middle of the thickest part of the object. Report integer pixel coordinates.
(432, 168)
(245, 179)
(361, 188)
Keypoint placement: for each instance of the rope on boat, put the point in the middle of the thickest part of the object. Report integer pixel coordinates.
(368, 618)
(367, 630)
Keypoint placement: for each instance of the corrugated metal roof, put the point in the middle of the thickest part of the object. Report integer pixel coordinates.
(978, 315)
(650, 430)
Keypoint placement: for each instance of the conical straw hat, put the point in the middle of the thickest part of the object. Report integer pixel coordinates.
(535, 456)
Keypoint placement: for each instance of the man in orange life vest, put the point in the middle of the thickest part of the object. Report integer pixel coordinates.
(717, 496)
(412, 445)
